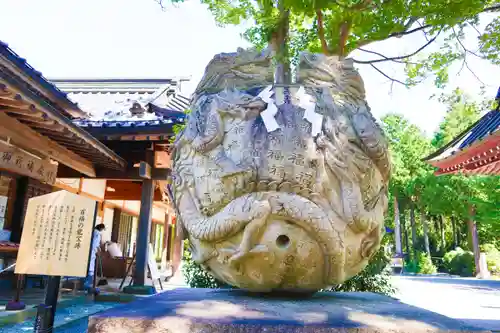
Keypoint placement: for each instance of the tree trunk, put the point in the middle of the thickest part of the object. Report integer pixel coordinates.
(413, 230)
(473, 236)
(454, 230)
(426, 232)
(405, 231)
(397, 225)
(282, 74)
(434, 220)
(441, 231)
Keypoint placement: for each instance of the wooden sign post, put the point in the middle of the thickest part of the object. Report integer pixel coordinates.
(56, 241)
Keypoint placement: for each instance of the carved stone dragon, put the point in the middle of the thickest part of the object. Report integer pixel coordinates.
(282, 209)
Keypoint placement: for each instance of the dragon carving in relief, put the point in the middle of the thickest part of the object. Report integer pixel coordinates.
(283, 209)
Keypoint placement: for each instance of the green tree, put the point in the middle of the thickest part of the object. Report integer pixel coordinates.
(462, 112)
(338, 27)
(407, 145)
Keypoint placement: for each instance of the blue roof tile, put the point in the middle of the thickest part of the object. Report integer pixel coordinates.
(12, 56)
(488, 124)
(484, 127)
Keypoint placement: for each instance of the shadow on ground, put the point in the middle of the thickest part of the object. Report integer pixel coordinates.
(183, 310)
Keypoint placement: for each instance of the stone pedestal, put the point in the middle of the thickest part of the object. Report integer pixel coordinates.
(223, 311)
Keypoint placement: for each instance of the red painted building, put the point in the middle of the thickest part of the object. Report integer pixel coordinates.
(474, 151)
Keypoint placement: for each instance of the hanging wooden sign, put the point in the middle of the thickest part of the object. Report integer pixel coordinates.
(57, 235)
(18, 161)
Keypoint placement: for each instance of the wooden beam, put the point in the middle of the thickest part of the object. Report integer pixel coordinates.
(15, 101)
(127, 190)
(55, 127)
(20, 162)
(129, 174)
(28, 111)
(29, 139)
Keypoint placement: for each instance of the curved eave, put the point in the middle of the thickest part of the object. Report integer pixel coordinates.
(475, 152)
(480, 158)
(34, 77)
(490, 169)
(22, 100)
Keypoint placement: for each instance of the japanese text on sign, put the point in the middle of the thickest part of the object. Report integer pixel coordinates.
(57, 235)
(15, 160)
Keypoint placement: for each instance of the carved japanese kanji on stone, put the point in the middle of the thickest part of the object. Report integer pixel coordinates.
(281, 187)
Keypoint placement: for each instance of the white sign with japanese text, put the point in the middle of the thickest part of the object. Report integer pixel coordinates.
(3, 209)
(3, 205)
(57, 235)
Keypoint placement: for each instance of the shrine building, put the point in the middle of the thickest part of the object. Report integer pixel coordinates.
(106, 139)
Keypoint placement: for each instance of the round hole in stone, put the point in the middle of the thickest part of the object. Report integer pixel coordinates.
(283, 241)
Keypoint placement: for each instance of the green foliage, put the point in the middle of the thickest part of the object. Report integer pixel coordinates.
(490, 41)
(459, 262)
(177, 128)
(340, 27)
(407, 145)
(424, 264)
(462, 112)
(195, 275)
(411, 266)
(376, 277)
(414, 182)
(492, 258)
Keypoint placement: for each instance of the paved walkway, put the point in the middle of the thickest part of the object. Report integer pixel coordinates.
(476, 302)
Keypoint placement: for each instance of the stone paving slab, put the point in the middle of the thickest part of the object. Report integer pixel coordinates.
(207, 310)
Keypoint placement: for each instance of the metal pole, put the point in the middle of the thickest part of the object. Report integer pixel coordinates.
(51, 295)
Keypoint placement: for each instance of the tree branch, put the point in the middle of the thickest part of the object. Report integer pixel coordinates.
(162, 6)
(321, 32)
(473, 73)
(424, 32)
(463, 46)
(362, 5)
(492, 8)
(345, 29)
(388, 77)
(385, 57)
(399, 57)
(359, 6)
(475, 28)
(398, 34)
(408, 32)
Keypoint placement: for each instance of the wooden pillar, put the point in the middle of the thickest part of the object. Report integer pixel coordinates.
(18, 210)
(165, 233)
(144, 227)
(169, 242)
(115, 229)
(178, 249)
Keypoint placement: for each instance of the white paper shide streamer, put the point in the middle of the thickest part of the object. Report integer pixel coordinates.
(310, 115)
(268, 115)
(305, 102)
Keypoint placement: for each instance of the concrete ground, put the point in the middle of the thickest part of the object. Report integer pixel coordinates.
(476, 302)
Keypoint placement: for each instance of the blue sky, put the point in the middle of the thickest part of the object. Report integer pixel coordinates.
(135, 38)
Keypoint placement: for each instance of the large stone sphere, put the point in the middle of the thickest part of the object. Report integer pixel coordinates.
(284, 187)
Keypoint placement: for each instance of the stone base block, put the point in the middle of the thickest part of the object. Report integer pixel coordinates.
(224, 311)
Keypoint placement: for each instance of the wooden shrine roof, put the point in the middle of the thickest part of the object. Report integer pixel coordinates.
(34, 107)
(474, 151)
